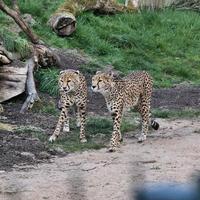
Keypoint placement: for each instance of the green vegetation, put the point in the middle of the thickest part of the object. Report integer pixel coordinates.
(165, 43)
(11, 40)
(98, 131)
(44, 107)
(48, 79)
(182, 113)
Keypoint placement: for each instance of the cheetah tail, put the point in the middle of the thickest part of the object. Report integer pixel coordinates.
(155, 125)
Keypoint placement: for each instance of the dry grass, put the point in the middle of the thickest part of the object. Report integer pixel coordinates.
(155, 4)
(187, 5)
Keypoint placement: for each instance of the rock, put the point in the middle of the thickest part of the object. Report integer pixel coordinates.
(44, 155)
(59, 150)
(28, 155)
(29, 19)
(7, 127)
(89, 167)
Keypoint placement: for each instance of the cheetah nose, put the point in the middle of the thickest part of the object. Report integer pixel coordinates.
(64, 88)
(93, 86)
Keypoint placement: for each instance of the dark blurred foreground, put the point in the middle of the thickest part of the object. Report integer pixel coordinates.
(170, 191)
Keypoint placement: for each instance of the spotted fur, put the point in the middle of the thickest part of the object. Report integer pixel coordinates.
(73, 91)
(134, 90)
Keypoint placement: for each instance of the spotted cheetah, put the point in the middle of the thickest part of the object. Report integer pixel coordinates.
(73, 90)
(134, 90)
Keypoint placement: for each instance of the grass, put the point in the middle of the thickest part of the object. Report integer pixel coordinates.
(97, 137)
(98, 132)
(183, 113)
(14, 43)
(48, 79)
(164, 43)
(44, 107)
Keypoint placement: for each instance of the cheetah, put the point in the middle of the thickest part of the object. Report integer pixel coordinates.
(134, 90)
(73, 91)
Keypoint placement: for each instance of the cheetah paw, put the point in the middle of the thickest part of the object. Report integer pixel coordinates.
(66, 129)
(83, 140)
(78, 124)
(52, 138)
(142, 138)
(112, 149)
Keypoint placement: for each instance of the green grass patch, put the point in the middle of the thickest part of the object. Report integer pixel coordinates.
(183, 113)
(14, 43)
(45, 106)
(164, 43)
(98, 132)
(48, 80)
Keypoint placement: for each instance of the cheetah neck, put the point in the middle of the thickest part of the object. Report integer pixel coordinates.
(114, 92)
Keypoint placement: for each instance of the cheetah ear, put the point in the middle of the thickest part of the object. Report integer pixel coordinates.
(61, 72)
(98, 72)
(77, 72)
(111, 74)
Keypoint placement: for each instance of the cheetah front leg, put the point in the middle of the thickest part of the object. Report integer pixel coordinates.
(116, 134)
(82, 117)
(66, 128)
(78, 118)
(59, 125)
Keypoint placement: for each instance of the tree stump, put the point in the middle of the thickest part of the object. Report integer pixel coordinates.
(63, 24)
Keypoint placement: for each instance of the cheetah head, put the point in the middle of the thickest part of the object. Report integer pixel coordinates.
(69, 80)
(102, 82)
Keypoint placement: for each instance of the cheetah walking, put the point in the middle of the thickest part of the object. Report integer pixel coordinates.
(134, 90)
(73, 90)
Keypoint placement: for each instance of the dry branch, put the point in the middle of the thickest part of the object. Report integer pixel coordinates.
(18, 19)
(31, 89)
(187, 5)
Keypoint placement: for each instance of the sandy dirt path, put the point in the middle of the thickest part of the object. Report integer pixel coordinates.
(171, 154)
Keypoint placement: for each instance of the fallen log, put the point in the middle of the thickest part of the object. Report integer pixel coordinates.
(12, 80)
(63, 21)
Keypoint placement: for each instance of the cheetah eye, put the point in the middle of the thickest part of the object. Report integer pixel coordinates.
(100, 80)
(68, 81)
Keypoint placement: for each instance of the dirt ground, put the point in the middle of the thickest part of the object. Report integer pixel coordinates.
(172, 154)
(28, 170)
